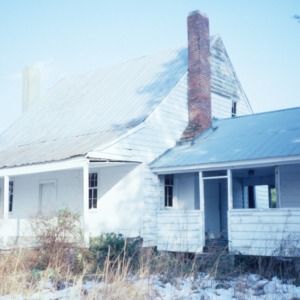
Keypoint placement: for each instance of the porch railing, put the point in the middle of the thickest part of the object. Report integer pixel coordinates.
(180, 231)
(15, 232)
(266, 232)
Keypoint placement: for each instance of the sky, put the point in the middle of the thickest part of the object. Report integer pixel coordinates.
(67, 37)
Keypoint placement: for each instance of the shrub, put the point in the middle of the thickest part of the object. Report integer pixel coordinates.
(112, 247)
(58, 236)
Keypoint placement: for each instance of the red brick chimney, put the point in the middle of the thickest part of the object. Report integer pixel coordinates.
(199, 92)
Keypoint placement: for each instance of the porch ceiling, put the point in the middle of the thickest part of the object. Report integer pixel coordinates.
(257, 172)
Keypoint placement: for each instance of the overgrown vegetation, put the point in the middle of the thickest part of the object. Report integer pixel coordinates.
(114, 263)
(58, 236)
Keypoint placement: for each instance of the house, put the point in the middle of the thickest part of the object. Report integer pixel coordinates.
(88, 143)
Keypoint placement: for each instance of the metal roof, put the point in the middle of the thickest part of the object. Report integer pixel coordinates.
(84, 112)
(266, 135)
(89, 110)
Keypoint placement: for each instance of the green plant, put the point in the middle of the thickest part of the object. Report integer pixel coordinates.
(111, 247)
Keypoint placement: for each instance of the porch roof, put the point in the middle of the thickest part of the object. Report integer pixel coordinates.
(274, 134)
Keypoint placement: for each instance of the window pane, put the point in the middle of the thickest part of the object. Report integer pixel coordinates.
(11, 195)
(95, 203)
(93, 191)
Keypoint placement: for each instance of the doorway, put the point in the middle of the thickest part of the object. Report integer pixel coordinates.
(216, 207)
(47, 196)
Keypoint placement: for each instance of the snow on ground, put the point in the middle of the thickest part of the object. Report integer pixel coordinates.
(204, 287)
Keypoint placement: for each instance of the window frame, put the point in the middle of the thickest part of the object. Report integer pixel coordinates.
(11, 195)
(93, 190)
(234, 109)
(169, 191)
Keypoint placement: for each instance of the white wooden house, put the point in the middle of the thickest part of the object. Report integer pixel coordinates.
(87, 144)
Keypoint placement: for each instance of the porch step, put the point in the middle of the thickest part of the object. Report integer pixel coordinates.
(217, 264)
(216, 245)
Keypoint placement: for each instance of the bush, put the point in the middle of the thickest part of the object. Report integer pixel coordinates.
(58, 236)
(112, 247)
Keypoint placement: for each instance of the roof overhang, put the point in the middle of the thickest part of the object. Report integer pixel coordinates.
(103, 163)
(66, 164)
(229, 165)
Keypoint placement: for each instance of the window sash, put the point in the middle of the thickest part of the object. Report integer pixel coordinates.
(11, 196)
(93, 190)
(169, 188)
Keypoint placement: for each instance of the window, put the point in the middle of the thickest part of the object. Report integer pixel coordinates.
(273, 197)
(169, 185)
(233, 109)
(251, 197)
(11, 195)
(93, 190)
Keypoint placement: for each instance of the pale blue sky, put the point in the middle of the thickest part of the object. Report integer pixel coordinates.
(65, 37)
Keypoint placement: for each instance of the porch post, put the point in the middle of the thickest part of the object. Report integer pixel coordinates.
(229, 182)
(202, 208)
(5, 197)
(86, 204)
(230, 205)
(277, 186)
(201, 192)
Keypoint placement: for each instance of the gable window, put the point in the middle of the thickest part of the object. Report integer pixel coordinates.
(93, 190)
(233, 109)
(11, 196)
(169, 189)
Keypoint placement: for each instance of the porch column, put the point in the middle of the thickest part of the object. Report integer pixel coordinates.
(277, 186)
(201, 191)
(86, 204)
(229, 182)
(202, 208)
(5, 197)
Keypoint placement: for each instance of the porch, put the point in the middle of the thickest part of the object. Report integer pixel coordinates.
(256, 210)
(265, 232)
(180, 231)
(86, 188)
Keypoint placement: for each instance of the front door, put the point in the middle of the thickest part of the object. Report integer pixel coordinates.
(47, 196)
(216, 206)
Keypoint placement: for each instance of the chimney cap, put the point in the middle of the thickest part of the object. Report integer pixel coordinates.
(197, 12)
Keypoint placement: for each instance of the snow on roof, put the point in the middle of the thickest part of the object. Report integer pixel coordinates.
(266, 135)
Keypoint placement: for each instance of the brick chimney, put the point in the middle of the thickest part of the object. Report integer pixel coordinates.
(199, 92)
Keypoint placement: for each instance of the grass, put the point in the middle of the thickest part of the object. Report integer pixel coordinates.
(119, 268)
(115, 277)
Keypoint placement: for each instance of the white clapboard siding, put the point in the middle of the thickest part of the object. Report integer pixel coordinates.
(26, 195)
(264, 232)
(180, 230)
(18, 232)
(290, 185)
(120, 201)
(262, 196)
(160, 132)
(221, 106)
